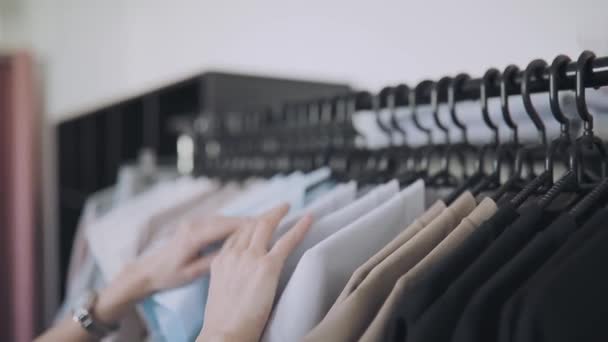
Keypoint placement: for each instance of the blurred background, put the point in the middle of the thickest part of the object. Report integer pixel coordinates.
(86, 85)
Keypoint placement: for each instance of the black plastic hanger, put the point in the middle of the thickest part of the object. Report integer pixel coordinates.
(561, 147)
(464, 147)
(588, 145)
(524, 154)
(444, 177)
(419, 157)
(502, 154)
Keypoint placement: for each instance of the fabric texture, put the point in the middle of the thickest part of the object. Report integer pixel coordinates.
(442, 274)
(523, 304)
(386, 320)
(347, 321)
(328, 225)
(439, 321)
(573, 305)
(480, 320)
(359, 275)
(134, 219)
(324, 269)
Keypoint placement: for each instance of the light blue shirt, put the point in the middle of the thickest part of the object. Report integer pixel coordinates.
(177, 315)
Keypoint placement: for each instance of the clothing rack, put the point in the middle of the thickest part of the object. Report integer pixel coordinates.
(598, 77)
(311, 126)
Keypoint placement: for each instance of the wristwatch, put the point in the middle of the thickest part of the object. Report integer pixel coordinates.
(83, 315)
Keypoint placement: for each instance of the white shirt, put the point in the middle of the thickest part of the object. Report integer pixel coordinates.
(115, 238)
(328, 225)
(335, 199)
(324, 269)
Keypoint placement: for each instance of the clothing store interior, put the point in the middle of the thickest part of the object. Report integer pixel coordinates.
(303, 171)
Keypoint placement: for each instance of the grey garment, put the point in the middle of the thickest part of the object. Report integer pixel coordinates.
(436, 194)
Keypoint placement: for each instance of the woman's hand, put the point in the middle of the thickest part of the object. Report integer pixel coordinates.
(180, 261)
(174, 264)
(244, 278)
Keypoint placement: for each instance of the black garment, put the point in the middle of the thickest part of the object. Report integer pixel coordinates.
(511, 312)
(435, 283)
(439, 321)
(524, 314)
(573, 304)
(480, 319)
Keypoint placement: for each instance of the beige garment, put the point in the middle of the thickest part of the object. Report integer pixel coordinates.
(377, 329)
(348, 320)
(362, 271)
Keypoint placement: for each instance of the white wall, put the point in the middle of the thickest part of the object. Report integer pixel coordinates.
(98, 51)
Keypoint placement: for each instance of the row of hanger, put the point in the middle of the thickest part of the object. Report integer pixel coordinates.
(321, 133)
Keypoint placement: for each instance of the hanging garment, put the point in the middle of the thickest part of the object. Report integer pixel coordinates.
(362, 271)
(442, 274)
(133, 220)
(347, 321)
(324, 269)
(178, 314)
(83, 273)
(87, 276)
(522, 305)
(205, 208)
(439, 321)
(338, 197)
(480, 320)
(387, 316)
(329, 223)
(573, 305)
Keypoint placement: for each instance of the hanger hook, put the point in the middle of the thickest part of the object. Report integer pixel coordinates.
(381, 100)
(536, 67)
(453, 87)
(506, 81)
(413, 107)
(583, 65)
(436, 89)
(557, 70)
(399, 98)
(488, 78)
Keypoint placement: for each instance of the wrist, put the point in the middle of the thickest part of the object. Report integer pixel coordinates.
(129, 287)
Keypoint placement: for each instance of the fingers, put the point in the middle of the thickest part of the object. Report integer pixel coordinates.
(266, 224)
(199, 267)
(292, 238)
(220, 228)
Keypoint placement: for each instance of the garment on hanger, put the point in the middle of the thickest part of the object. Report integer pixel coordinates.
(328, 225)
(573, 305)
(378, 329)
(516, 318)
(362, 271)
(479, 321)
(439, 321)
(129, 184)
(324, 269)
(442, 274)
(347, 321)
(83, 273)
(339, 196)
(178, 314)
(133, 221)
